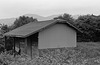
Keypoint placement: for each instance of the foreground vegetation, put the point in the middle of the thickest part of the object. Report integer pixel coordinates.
(83, 54)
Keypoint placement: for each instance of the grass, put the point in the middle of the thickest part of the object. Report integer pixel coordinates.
(89, 44)
(86, 53)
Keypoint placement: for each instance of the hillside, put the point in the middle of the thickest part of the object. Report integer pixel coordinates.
(9, 21)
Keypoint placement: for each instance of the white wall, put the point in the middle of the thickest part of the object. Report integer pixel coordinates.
(58, 35)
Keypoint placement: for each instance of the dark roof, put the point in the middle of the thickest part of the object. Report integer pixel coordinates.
(33, 27)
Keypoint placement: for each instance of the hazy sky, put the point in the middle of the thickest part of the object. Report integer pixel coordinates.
(15, 8)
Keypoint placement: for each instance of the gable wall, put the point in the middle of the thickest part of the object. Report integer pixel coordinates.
(58, 35)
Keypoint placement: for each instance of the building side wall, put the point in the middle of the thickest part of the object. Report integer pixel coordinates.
(58, 35)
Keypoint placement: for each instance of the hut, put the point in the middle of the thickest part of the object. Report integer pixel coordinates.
(43, 34)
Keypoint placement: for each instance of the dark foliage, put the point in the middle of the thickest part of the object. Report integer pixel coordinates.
(89, 24)
(22, 20)
(66, 17)
(4, 29)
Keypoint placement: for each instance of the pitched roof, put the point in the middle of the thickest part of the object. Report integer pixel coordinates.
(33, 27)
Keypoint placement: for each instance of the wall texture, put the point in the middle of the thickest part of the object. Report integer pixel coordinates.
(58, 35)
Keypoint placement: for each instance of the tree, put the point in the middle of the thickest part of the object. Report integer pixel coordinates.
(4, 29)
(65, 16)
(89, 25)
(22, 20)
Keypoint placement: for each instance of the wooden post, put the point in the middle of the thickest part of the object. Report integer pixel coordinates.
(31, 47)
(19, 49)
(26, 45)
(14, 45)
(5, 42)
(19, 52)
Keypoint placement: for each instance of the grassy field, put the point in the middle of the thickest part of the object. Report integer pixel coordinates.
(89, 44)
(86, 53)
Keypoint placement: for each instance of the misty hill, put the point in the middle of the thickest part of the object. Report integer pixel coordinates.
(10, 21)
(41, 18)
(7, 21)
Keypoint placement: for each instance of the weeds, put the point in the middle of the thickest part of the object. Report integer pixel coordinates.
(58, 56)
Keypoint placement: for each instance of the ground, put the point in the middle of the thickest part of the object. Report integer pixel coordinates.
(86, 53)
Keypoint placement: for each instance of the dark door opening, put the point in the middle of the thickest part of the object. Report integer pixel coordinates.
(34, 43)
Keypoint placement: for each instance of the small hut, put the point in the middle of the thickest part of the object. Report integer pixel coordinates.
(43, 34)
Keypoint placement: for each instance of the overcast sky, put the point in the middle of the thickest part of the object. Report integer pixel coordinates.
(15, 8)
